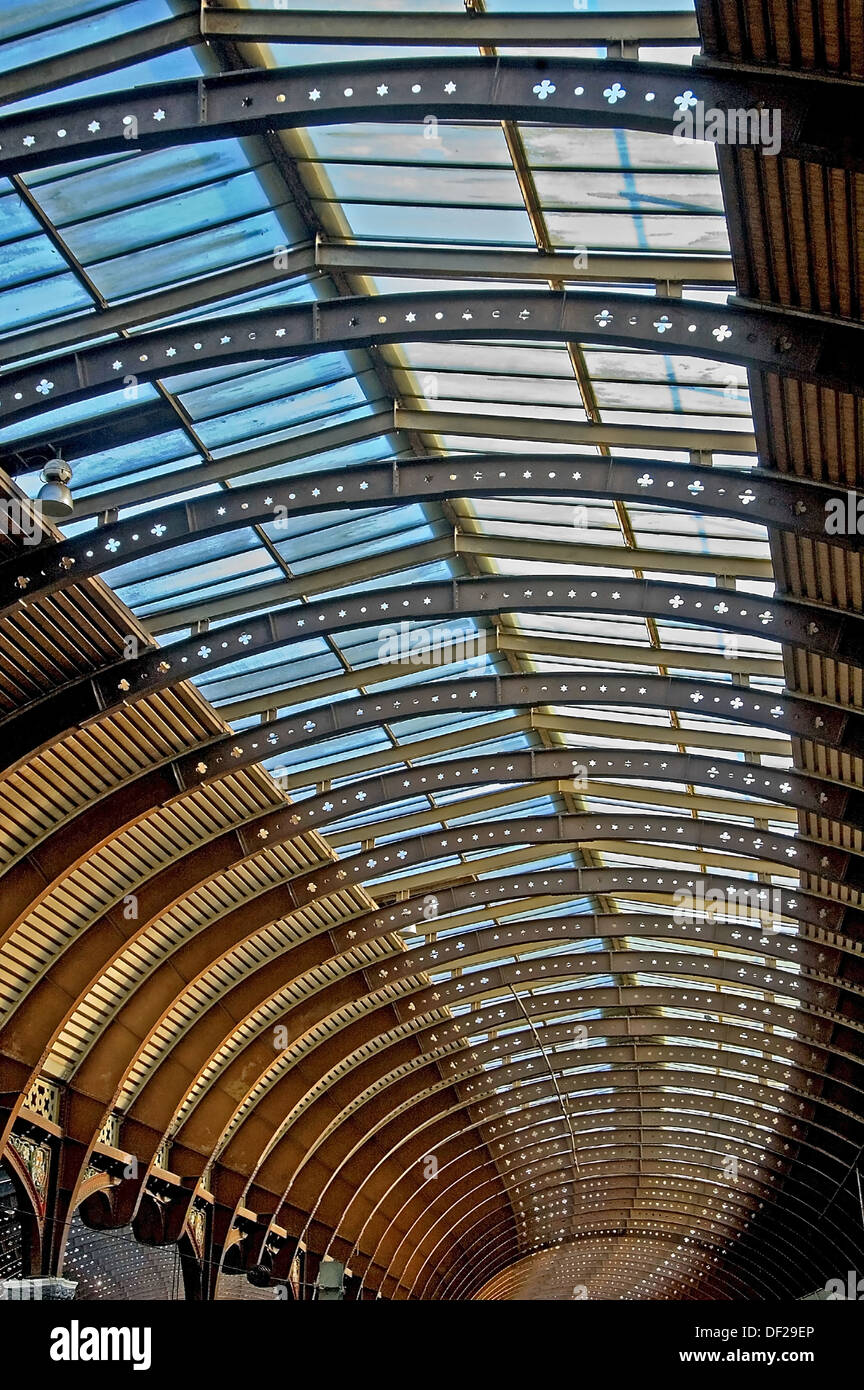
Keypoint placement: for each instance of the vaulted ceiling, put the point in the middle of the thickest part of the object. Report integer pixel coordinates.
(430, 805)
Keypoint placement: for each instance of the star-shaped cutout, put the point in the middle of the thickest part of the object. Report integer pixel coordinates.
(382, 90)
(159, 115)
(94, 126)
(116, 366)
(449, 88)
(314, 95)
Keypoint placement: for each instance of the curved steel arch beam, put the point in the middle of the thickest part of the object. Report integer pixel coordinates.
(589, 1102)
(664, 1055)
(839, 637)
(605, 998)
(754, 1100)
(839, 728)
(289, 1091)
(747, 1238)
(46, 1019)
(668, 1209)
(542, 1156)
(558, 90)
(801, 905)
(213, 758)
(347, 1075)
(404, 965)
(804, 791)
(826, 352)
(226, 853)
(769, 499)
(796, 854)
(218, 758)
(64, 852)
(518, 1098)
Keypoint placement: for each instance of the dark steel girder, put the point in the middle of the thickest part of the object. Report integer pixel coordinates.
(439, 1041)
(155, 786)
(791, 714)
(771, 500)
(289, 1092)
(838, 636)
(712, 1031)
(821, 120)
(631, 1030)
(621, 1102)
(362, 258)
(469, 1071)
(500, 1273)
(132, 798)
(825, 964)
(830, 915)
(748, 1183)
(805, 793)
(839, 866)
(431, 999)
(24, 891)
(823, 351)
(547, 1155)
(542, 1089)
(622, 1098)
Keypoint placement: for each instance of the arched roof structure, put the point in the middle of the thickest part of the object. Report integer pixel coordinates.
(431, 777)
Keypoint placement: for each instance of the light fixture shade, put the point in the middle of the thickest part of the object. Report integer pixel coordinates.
(55, 497)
